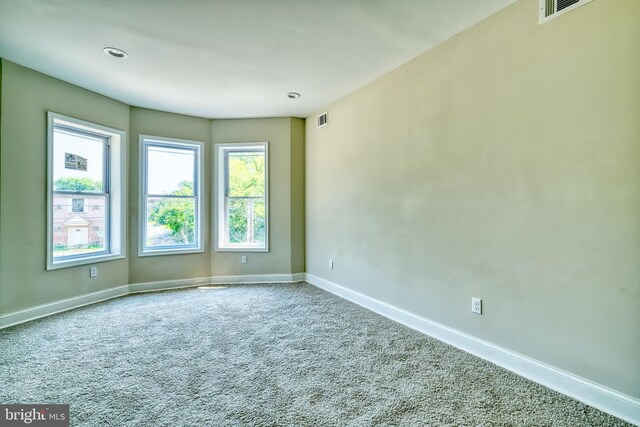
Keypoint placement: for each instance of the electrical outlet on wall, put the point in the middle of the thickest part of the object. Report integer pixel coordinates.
(331, 264)
(476, 305)
(244, 259)
(93, 272)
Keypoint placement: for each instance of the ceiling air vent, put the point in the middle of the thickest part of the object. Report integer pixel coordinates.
(321, 120)
(549, 9)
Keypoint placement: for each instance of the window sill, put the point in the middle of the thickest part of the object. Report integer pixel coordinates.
(160, 252)
(241, 249)
(56, 265)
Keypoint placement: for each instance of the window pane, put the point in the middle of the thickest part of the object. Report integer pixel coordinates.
(259, 222)
(170, 221)
(246, 221)
(78, 231)
(238, 221)
(246, 174)
(170, 171)
(78, 161)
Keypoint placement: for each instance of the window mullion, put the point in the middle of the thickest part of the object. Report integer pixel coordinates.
(196, 180)
(77, 193)
(226, 174)
(106, 164)
(107, 222)
(226, 221)
(250, 207)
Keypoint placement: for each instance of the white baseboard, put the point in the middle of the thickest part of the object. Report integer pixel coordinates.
(135, 288)
(43, 310)
(259, 278)
(593, 394)
(299, 277)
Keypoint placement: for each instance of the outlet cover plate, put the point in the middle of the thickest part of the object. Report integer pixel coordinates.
(476, 305)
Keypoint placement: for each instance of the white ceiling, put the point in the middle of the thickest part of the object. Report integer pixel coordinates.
(228, 58)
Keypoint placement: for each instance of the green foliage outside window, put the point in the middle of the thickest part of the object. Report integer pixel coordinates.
(77, 184)
(246, 179)
(246, 175)
(178, 215)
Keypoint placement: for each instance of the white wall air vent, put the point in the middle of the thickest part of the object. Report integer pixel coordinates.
(321, 120)
(550, 9)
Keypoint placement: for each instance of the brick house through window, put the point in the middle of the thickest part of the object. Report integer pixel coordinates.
(79, 223)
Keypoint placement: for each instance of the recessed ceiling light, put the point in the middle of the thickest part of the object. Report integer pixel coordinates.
(115, 52)
(293, 95)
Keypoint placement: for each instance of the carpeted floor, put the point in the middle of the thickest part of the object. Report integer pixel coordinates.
(262, 355)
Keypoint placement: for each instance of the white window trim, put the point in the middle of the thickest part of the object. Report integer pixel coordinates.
(219, 181)
(199, 190)
(117, 192)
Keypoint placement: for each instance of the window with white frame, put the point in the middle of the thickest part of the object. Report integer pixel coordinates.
(85, 167)
(170, 205)
(242, 202)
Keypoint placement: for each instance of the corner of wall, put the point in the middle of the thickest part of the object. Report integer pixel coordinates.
(297, 195)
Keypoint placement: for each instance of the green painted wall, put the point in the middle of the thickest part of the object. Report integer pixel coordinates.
(283, 207)
(26, 97)
(297, 195)
(168, 125)
(502, 164)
